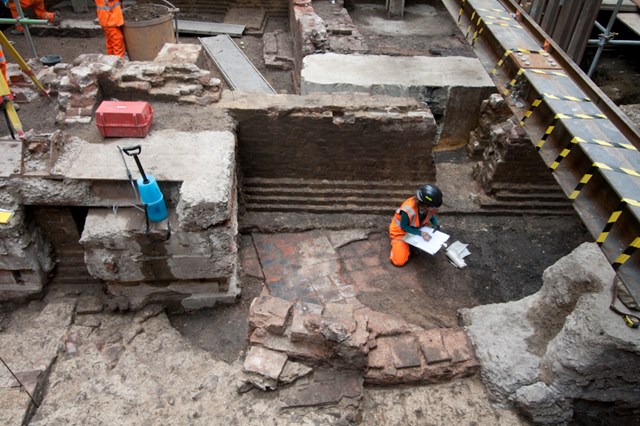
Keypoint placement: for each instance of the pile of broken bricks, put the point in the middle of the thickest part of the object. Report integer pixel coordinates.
(290, 341)
(174, 76)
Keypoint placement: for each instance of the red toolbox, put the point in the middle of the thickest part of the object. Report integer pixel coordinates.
(124, 119)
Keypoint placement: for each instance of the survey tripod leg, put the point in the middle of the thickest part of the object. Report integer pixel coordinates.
(9, 110)
(8, 47)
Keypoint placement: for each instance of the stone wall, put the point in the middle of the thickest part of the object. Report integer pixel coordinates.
(381, 348)
(174, 76)
(508, 154)
(25, 258)
(308, 32)
(561, 354)
(181, 269)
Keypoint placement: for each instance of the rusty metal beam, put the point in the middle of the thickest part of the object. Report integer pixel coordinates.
(589, 144)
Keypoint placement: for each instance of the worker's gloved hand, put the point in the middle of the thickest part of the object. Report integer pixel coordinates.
(436, 227)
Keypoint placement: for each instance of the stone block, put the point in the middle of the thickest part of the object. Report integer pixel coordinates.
(301, 313)
(199, 209)
(265, 362)
(270, 313)
(182, 53)
(293, 371)
(381, 324)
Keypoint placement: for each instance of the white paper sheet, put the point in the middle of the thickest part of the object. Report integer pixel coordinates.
(433, 245)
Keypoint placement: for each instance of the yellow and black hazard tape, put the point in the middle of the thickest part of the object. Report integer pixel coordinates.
(614, 218)
(461, 10)
(508, 52)
(471, 20)
(576, 140)
(513, 82)
(626, 254)
(547, 72)
(493, 10)
(499, 18)
(589, 174)
(557, 117)
(500, 24)
(538, 101)
(476, 34)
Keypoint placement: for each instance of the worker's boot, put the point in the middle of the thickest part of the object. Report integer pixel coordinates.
(17, 30)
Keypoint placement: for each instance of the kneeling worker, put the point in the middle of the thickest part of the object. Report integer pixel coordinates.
(417, 211)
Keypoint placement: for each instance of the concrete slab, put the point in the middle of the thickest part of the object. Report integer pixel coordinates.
(201, 154)
(209, 28)
(379, 74)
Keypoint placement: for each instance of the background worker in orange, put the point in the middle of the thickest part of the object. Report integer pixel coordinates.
(417, 211)
(38, 8)
(111, 20)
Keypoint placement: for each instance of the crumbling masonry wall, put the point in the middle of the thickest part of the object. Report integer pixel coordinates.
(507, 154)
(561, 354)
(334, 137)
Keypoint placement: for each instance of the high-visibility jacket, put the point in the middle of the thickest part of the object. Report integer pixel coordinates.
(109, 13)
(37, 6)
(3, 65)
(410, 207)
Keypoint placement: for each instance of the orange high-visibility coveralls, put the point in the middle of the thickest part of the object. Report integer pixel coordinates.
(36, 5)
(3, 66)
(399, 249)
(111, 21)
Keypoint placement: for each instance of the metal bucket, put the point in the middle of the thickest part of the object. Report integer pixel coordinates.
(144, 39)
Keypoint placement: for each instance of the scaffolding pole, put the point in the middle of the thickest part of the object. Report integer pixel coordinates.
(607, 37)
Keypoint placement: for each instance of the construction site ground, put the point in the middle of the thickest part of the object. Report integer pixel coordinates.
(158, 378)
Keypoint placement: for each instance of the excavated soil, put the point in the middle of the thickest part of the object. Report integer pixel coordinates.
(144, 12)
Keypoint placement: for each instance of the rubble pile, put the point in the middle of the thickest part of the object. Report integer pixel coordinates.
(174, 76)
(508, 154)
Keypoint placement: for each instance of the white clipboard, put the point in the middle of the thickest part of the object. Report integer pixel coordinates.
(438, 239)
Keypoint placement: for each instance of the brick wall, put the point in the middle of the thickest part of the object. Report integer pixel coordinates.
(337, 143)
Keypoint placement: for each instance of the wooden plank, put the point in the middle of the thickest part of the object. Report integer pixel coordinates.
(566, 23)
(551, 16)
(537, 7)
(631, 20)
(583, 29)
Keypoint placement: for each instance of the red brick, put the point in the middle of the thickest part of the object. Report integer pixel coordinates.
(457, 344)
(432, 346)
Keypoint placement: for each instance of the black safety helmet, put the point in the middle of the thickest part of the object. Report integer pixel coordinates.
(429, 195)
